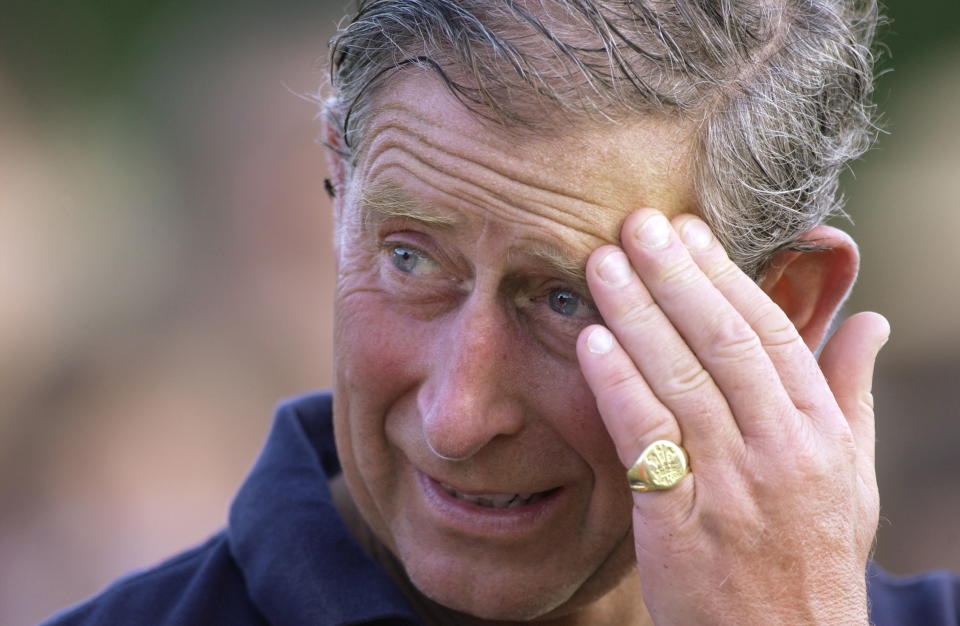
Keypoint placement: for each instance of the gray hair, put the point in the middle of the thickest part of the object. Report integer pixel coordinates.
(779, 89)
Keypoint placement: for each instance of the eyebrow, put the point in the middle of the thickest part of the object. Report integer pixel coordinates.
(386, 200)
(556, 260)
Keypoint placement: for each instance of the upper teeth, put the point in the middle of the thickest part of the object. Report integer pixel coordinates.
(493, 500)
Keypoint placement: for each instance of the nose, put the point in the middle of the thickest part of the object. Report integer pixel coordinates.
(469, 397)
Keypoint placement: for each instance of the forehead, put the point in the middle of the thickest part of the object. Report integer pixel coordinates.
(582, 178)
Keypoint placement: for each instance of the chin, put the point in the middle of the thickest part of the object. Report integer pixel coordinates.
(517, 598)
(497, 605)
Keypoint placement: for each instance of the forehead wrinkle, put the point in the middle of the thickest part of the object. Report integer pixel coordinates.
(472, 193)
(504, 167)
(582, 217)
(489, 205)
(390, 115)
(386, 198)
(458, 197)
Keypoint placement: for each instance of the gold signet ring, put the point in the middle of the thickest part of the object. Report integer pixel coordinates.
(661, 465)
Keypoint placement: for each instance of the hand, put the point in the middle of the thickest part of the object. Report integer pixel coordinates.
(775, 524)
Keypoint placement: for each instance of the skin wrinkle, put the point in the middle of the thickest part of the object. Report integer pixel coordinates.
(509, 214)
(387, 118)
(572, 271)
(585, 207)
(463, 195)
(384, 200)
(569, 266)
(680, 135)
(473, 200)
(489, 199)
(422, 309)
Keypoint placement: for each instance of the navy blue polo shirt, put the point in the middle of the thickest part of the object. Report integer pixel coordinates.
(286, 558)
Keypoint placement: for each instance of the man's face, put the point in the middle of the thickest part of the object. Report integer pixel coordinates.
(469, 439)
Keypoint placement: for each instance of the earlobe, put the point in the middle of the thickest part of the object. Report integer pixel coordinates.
(811, 286)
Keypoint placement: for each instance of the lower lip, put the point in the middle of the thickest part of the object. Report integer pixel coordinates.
(468, 517)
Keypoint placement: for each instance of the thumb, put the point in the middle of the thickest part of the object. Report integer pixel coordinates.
(847, 363)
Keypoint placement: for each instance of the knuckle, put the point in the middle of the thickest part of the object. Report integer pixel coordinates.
(774, 326)
(687, 376)
(618, 385)
(733, 340)
(639, 314)
(620, 394)
(816, 460)
(680, 273)
(847, 444)
(724, 272)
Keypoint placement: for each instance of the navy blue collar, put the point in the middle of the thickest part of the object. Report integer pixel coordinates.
(300, 563)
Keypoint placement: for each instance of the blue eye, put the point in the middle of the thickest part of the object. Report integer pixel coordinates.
(568, 303)
(404, 259)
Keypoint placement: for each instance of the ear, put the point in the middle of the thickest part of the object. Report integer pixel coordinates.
(810, 286)
(337, 165)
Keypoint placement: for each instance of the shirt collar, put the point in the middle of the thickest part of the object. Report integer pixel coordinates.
(300, 563)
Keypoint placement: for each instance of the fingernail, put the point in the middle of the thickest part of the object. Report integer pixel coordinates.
(655, 232)
(886, 337)
(600, 340)
(614, 269)
(696, 234)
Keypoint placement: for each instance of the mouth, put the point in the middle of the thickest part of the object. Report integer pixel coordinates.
(497, 500)
(484, 515)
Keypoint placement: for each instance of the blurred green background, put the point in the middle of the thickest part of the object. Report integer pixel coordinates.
(165, 275)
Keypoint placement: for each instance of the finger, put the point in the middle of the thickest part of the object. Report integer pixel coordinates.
(632, 414)
(727, 346)
(795, 364)
(671, 370)
(634, 418)
(847, 361)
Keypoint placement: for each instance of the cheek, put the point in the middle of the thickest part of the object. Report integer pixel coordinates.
(375, 369)
(377, 350)
(557, 394)
(371, 340)
(610, 497)
(562, 396)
